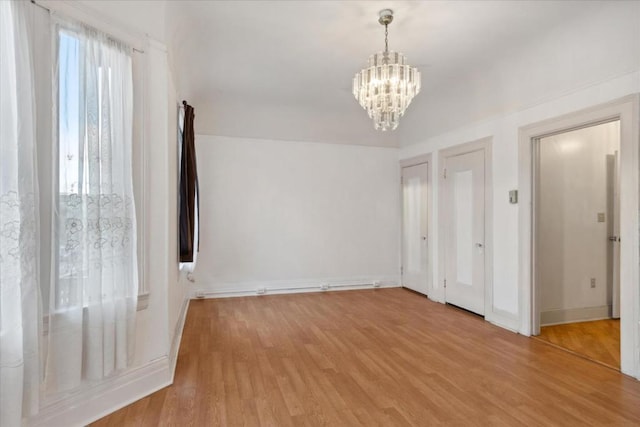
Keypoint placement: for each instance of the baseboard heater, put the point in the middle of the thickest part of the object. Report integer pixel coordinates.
(265, 290)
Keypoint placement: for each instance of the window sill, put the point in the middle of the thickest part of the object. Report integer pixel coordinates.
(143, 301)
(143, 304)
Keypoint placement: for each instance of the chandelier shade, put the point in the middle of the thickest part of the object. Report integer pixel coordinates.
(387, 85)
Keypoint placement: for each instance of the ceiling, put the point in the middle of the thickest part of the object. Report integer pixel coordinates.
(283, 69)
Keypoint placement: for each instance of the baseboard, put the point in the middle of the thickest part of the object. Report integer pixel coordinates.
(177, 337)
(437, 295)
(504, 319)
(91, 403)
(569, 315)
(225, 290)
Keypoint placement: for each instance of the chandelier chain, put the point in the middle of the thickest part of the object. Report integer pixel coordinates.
(386, 37)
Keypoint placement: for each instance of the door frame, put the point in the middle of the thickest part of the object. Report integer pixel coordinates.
(483, 144)
(626, 110)
(405, 163)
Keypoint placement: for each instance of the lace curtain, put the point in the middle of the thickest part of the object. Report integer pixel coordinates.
(95, 286)
(20, 316)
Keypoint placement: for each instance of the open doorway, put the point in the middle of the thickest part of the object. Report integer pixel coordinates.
(576, 238)
(626, 110)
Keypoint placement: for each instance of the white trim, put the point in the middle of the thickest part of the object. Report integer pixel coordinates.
(405, 163)
(177, 337)
(223, 290)
(416, 160)
(142, 304)
(627, 110)
(572, 315)
(89, 404)
(484, 144)
(503, 319)
(140, 166)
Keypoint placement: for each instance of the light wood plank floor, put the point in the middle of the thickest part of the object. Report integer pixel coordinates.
(376, 357)
(598, 340)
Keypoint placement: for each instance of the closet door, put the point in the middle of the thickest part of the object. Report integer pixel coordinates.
(415, 250)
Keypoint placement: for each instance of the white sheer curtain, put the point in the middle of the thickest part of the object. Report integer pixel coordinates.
(95, 278)
(20, 317)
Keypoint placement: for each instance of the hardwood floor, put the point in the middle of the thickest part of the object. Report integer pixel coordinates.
(598, 340)
(376, 357)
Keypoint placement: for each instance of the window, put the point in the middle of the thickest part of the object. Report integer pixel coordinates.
(94, 215)
(64, 174)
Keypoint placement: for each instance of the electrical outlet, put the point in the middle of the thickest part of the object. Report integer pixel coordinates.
(593, 282)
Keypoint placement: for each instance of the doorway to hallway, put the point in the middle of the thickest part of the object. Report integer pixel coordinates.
(576, 238)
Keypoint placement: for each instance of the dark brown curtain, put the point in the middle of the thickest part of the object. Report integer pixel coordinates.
(188, 188)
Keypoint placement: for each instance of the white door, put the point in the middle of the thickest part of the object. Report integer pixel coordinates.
(414, 227)
(464, 236)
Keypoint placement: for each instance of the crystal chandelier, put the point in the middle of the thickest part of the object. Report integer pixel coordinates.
(386, 87)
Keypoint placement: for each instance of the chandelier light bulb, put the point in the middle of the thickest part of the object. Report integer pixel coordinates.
(387, 85)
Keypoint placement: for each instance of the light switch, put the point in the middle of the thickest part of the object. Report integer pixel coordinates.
(513, 197)
(601, 216)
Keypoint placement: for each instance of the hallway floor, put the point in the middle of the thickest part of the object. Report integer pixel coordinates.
(598, 340)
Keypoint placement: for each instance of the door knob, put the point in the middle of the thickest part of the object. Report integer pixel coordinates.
(424, 237)
(613, 238)
(479, 245)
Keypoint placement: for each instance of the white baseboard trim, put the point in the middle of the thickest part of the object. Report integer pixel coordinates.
(503, 319)
(226, 290)
(91, 403)
(570, 315)
(437, 296)
(177, 338)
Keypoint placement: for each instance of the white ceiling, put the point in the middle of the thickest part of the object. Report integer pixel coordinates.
(283, 69)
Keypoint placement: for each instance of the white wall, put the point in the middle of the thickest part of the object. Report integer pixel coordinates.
(588, 50)
(233, 116)
(573, 244)
(291, 214)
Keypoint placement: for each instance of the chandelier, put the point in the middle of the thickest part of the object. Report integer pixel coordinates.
(386, 87)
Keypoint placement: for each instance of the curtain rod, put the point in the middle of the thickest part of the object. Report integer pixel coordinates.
(50, 12)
